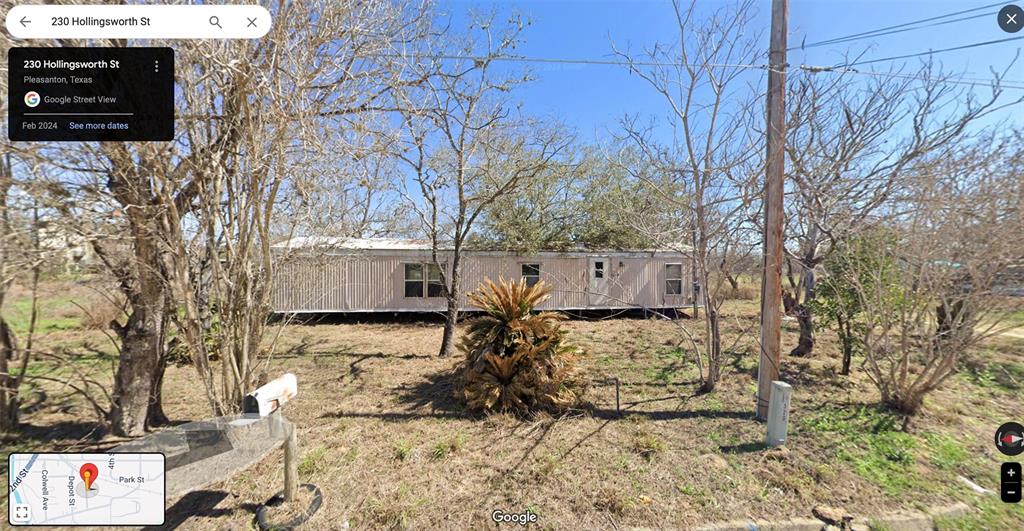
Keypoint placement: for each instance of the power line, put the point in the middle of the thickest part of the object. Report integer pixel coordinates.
(967, 81)
(841, 68)
(890, 32)
(621, 62)
(932, 52)
(556, 60)
(871, 33)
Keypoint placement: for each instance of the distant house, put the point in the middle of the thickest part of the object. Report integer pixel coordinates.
(324, 275)
(73, 251)
(1011, 281)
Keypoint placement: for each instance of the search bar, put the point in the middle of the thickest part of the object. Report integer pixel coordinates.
(138, 22)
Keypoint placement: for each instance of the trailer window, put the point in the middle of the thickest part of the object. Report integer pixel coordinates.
(598, 269)
(418, 284)
(435, 288)
(413, 280)
(673, 279)
(531, 273)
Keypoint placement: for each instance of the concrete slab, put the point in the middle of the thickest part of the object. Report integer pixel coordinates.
(734, 525)
(793, 524)
(911, 521)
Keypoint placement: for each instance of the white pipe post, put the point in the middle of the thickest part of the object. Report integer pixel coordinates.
(778, 414)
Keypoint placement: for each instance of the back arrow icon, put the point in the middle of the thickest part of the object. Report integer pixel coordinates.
(24, 22)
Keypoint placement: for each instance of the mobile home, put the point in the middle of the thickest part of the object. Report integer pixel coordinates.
(325, 275)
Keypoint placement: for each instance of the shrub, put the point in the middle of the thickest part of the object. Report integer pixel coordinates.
(919, 313)
(861, 262)
(742, 292)
(100, 311)
(516, 360)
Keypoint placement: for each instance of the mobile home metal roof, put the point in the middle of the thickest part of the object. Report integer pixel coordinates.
(334, 245)
(361, 244)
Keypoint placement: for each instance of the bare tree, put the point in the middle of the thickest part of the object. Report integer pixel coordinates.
(11, 374)
(10, 383)
(185, 222)
(24, 256)
(931, 290)
(348, 194)
(701, 80)
(465, 146)
(291, 106)
(849, 145)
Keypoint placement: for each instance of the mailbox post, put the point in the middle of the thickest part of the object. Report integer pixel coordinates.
(267, 401)
(291, 465)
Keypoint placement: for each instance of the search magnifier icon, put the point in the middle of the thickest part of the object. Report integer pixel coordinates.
(214, 21)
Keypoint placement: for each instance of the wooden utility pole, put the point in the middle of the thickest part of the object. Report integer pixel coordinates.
(771, 280)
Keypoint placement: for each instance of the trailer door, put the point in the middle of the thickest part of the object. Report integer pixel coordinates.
(597, 291)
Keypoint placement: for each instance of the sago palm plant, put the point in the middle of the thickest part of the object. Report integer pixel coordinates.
(518, 361)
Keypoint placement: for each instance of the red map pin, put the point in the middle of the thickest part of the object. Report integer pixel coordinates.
(88, 473)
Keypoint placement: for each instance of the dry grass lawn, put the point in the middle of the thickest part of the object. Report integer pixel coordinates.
(383, 436)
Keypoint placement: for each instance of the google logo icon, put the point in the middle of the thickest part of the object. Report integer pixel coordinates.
(32, 99)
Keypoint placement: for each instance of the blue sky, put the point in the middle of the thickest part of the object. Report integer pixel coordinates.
(592, 98)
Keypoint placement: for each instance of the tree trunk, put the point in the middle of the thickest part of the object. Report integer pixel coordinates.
(788, 304)
(908, 404)
(143, 355)
(452, 289)
(950, 317)
(155, 415)
(798, 304)
(714, 351)
(8, 344)
(846, 338)
(138, 371)
(723, 266)
(144, 284)
(8, 391)
(805, 344)
(733, 282)
(451, 319)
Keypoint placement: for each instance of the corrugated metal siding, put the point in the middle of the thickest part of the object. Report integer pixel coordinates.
(360, 283)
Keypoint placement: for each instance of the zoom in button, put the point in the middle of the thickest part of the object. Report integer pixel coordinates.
(1010, 482)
